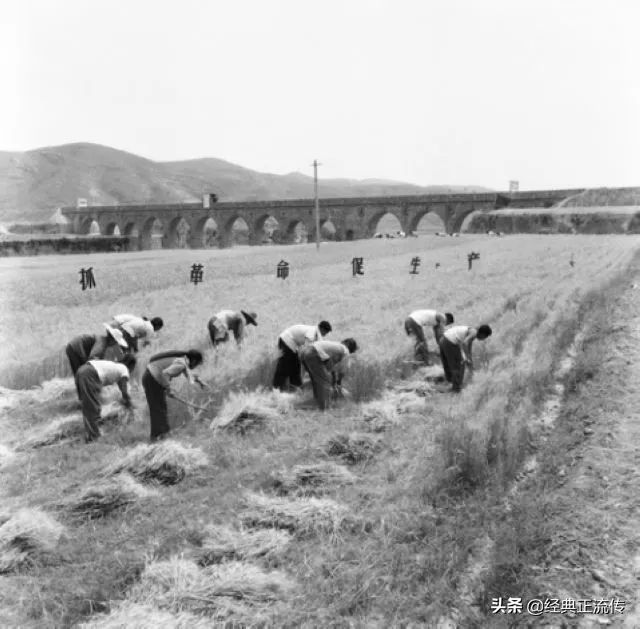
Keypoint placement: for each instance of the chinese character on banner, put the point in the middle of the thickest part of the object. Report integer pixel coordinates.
(415, 263)
(357, 266)
(86, 278)
(497, 606)
(437, 265)
(282, 270)
(196, 273)
(572, 261)
(471, 257)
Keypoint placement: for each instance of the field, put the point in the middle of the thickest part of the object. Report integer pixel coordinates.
(396, 544)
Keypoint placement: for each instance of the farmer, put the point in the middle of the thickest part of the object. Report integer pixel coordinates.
(135, 328)
(289, 342)
(455, 351)
(162, 368)
(92, 347)
(420, 319)
(325, 364)
(90, 379)
(225, 320)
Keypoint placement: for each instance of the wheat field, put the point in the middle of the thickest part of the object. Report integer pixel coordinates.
(400, 533)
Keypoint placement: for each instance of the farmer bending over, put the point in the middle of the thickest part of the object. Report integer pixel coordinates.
(289, 343)
(455, 351)
(229, 320)
(416, 322)
(93, 347)
(323, 361)
(162, 368)
(136, 328)
(91, 378)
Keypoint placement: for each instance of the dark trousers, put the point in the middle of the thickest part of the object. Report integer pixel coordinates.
(78, 353)
(288, 368)
(452, 363)
(321, 378)
(157, 401)
(421, 351)
(89, 387)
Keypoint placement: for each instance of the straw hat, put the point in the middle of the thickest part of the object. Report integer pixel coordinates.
(117, 335)
(250, 317)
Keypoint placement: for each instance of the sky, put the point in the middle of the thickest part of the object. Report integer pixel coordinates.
(455, 92)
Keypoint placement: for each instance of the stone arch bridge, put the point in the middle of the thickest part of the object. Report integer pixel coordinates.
(353, 218)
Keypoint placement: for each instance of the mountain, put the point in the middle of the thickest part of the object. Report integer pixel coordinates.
(34, 183)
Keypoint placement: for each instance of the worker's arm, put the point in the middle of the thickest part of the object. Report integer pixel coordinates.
(238, 331)
(177, 368)
(466, 348)
(123, 385)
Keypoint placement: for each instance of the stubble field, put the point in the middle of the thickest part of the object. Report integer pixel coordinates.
(415, 507)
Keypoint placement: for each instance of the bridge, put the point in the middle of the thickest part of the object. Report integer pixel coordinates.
(185, 224)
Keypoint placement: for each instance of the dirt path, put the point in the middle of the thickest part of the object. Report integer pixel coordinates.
(594, 548)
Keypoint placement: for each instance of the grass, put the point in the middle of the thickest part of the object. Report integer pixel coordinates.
(387, 549)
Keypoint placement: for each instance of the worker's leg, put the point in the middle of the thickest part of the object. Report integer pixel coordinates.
(89, 386)
(455, 364)
(157, 401)
(320, 377)
(75, 361)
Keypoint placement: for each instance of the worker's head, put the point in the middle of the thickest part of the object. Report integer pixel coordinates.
(351, 345)
(324, 327)
(157, 323)
(194, 357)
(129, 361)
(449, 318)
(484, 331)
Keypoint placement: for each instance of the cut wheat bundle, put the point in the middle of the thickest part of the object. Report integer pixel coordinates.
(313, 478)
(234, 591)
(26, 537)
(107, 495)
(127, 614)
(406, 402)
(61, 428)
(379, 415)
(6, 455)
(354, 447)
(301, 515)
(246, 410)
(420, 387)
(166, 462)
(222, 542)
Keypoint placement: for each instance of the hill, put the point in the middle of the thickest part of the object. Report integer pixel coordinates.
(34, 183)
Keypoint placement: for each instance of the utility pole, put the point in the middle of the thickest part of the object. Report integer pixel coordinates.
(317, 205)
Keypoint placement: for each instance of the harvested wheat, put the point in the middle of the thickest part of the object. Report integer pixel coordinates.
(128, 614)
(245, 410)
(353, 448)
(108, 495)
(302, 515)
(167, 462)
(234, 591)
(222, 543)
(313, 478)
(54, 389)
(61, 428)
(379, 415)
(6, 455)
(406, 402)
(26, 537)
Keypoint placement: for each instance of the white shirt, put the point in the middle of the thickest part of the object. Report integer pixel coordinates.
(457, 333)
(226, 315)
(425, 317)
(298, 335)
(135, 326)
(109, 372)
